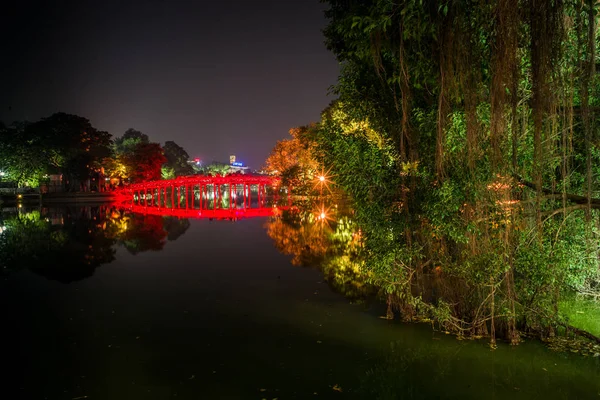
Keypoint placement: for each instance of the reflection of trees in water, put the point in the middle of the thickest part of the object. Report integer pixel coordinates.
(144, 233)
(175, 227)
(67, 252)
(67, 244)
(332, 246)
(306, 242)
(151, 232)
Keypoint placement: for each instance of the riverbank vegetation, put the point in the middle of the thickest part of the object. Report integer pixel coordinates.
(466, 136)
(85, 158)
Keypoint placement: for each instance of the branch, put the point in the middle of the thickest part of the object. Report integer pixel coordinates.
(583, 333)
(577, 331)
(575, 198)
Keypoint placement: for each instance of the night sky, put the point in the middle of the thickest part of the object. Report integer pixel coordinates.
(217, 77)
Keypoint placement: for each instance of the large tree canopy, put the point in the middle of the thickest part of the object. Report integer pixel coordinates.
(135, 158)
(62, 143)
(466, 134)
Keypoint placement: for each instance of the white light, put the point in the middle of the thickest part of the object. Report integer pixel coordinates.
(322, 178)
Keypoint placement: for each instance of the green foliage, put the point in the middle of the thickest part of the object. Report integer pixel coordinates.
(443, 113)
(63, 143)
(130, 138)
(216, 168)
(23, 158)
(167, 172)
(177, 159)
(135, 158)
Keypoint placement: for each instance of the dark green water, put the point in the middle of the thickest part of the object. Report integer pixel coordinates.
(133, 307)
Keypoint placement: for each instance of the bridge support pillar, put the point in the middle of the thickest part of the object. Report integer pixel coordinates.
(214, 196)
(187, 196)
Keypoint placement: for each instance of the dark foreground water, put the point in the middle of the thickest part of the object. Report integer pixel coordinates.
(136, 307)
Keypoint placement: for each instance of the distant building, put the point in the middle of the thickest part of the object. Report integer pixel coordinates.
(196, 161)
(235, 166)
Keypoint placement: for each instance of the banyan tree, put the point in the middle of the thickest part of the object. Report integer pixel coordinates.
(466, 134)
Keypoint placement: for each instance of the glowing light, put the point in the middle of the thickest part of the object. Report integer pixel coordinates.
(323, 180)
(323, 214)
(19, 196)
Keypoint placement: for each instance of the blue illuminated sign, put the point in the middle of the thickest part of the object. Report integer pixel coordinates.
(237, 164)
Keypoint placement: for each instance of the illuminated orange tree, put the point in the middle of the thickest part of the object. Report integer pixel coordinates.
(295, 160)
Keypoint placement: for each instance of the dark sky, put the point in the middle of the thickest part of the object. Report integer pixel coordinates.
(217, 77)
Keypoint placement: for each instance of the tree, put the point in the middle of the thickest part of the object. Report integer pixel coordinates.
(177, 159)
(130, 138)
(23, 159)
(167, 172)
(295, 159)
(144, 161)
(71, 145)
(216, 168)
(448, 114)
(135, 158)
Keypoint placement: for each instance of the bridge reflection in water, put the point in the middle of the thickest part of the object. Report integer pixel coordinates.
(219, 197)
(229, 214)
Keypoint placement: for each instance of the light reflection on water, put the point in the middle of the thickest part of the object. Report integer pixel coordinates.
(200, 308)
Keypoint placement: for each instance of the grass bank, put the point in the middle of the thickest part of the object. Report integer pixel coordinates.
(582, 313)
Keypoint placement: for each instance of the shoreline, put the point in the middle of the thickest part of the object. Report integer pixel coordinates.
(57, 198)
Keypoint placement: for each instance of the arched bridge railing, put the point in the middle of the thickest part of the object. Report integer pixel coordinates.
(199, 192)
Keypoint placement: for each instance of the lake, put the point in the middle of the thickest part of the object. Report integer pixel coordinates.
(101, 303)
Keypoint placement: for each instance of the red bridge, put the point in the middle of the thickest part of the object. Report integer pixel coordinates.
(230, 196)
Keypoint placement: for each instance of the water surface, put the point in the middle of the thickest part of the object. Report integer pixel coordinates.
(125, 306)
